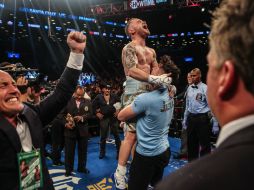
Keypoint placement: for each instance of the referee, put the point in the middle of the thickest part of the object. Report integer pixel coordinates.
(197, 118)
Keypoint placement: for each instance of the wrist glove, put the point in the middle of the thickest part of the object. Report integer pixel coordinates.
(160, 80)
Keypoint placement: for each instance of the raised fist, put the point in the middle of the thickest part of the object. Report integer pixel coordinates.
(76, 41)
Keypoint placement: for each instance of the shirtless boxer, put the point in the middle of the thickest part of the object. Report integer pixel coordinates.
(140, 67)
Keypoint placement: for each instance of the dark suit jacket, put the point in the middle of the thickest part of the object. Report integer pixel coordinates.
(230, 166)
(100, 104)
(36, 117)
(84, 110)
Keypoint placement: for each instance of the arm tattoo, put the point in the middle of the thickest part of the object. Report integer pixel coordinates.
(155, 65)
(130, 57)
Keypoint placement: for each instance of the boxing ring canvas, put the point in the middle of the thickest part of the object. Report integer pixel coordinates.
(100, 170)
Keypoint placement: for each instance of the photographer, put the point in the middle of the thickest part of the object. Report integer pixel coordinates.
(30, 90)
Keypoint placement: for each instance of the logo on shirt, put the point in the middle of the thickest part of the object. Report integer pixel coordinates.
(86, 108)
(199, 97)
(167, 105)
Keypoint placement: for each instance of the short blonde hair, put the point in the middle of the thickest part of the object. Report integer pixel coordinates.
(126, 29)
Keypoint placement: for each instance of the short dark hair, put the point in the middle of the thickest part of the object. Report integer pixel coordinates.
(104, 85)
(169, 66)
(79, 88)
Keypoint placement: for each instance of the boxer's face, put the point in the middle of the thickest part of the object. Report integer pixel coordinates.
(140, 27)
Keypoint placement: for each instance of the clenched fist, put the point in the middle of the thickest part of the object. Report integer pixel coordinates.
(76, 41)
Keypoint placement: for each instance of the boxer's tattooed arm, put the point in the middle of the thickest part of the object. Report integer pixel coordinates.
(131, 59)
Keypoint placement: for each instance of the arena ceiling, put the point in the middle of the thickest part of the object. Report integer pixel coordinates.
(178, 31)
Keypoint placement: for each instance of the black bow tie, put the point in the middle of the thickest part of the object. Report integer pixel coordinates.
(194, 86)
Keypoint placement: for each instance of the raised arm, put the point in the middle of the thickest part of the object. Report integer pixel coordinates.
(53, 104)
(130, 62)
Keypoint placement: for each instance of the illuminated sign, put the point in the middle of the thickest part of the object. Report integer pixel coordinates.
(62, 15)
(134, 4)
(86, 19)
(38, 11)
(172, 35)
(70, 29)
(119, 36)
(58, 28)
(34, 25)
(198, 33)
(114, 24)
(55, 14)
(188, 59)
(161, 1)
(13, 55)
(153, 36)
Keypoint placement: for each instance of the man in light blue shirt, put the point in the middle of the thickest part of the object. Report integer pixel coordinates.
(152, 130)
(154, 111)
(197, 118)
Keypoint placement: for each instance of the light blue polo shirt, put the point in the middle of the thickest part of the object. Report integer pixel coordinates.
(155, 111)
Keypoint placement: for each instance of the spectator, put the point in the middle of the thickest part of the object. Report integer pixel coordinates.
(103, 106)
(80, 110)
(22, 125)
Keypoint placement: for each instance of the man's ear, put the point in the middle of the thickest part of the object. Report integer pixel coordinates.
(228, 80)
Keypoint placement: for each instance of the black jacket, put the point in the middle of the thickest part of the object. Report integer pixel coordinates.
(230, 166)
(84, 110)
(100, 104)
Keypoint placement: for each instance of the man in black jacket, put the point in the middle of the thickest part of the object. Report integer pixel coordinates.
(21, 125)
(231, 99)
(105, 111)
(80, 110)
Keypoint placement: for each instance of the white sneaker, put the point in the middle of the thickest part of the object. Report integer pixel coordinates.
(119, 181)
